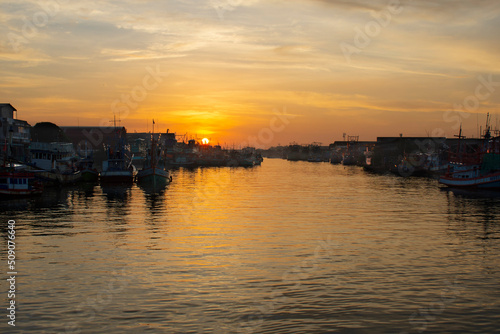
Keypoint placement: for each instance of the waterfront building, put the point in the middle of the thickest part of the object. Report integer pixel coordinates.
(14, 134)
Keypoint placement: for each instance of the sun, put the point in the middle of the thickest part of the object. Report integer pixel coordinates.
(205, 141)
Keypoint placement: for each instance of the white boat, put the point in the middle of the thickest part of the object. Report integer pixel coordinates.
(17, 182)
(466, 176)
(54, 163)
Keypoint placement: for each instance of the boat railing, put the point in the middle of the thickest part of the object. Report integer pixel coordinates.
(450, 172)
(53, 147)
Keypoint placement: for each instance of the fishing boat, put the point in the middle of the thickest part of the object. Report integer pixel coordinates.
(316, 154)
(54, 163)
(118, 167)
(336, 157)
(475, 168)
(248, 157)
(182, 159)
(89, 173)
(294, 152)
(86, 166)
(258, 159)
(154, 171)
(348, 159)
(15, 182)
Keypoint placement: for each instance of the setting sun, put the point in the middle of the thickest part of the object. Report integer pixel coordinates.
(205, 141)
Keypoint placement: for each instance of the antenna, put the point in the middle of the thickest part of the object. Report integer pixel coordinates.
(114, 120)
(487, 127)
(459, 139)
(477, 124)
(496, 131)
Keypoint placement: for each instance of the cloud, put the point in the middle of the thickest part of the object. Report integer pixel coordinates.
(353, 4)
(257, 56)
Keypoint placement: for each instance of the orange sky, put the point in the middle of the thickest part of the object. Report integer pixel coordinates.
(257, 72)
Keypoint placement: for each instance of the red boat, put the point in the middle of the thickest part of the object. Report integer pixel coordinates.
(16, 183)
(475, 168)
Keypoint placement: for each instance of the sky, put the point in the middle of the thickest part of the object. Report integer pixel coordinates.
(255, 72)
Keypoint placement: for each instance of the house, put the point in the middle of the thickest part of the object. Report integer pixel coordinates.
(14, 134)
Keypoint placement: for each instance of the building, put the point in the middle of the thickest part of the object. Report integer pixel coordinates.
(91, 140)
(14, 134)
(390, 151)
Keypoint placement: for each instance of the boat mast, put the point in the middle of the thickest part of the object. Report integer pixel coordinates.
(153, 147)
(459, 141)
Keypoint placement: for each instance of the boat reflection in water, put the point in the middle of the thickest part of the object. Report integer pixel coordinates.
(473, 214)
(290, 247)
(151, 189)
(116, 192)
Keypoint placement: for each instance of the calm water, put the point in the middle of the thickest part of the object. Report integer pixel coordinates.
(287, 247)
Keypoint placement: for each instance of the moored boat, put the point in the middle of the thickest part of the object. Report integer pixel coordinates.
(89, 174)
(118, 167)
(467, 177)
(154, 175)
(348, 160)
(480, 168)
(18, 183)
(336, 157)
(154, 171)
(86, 166)
(54, 163)
(117, 170)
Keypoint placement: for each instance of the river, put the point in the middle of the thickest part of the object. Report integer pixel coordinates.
(286, 247)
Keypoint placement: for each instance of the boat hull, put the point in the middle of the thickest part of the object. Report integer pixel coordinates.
(117, 177)
(19, 184)
(491, 181)
(246, 163)
(90, 175)
(9, 193)
(55, 178)
(155, 176)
